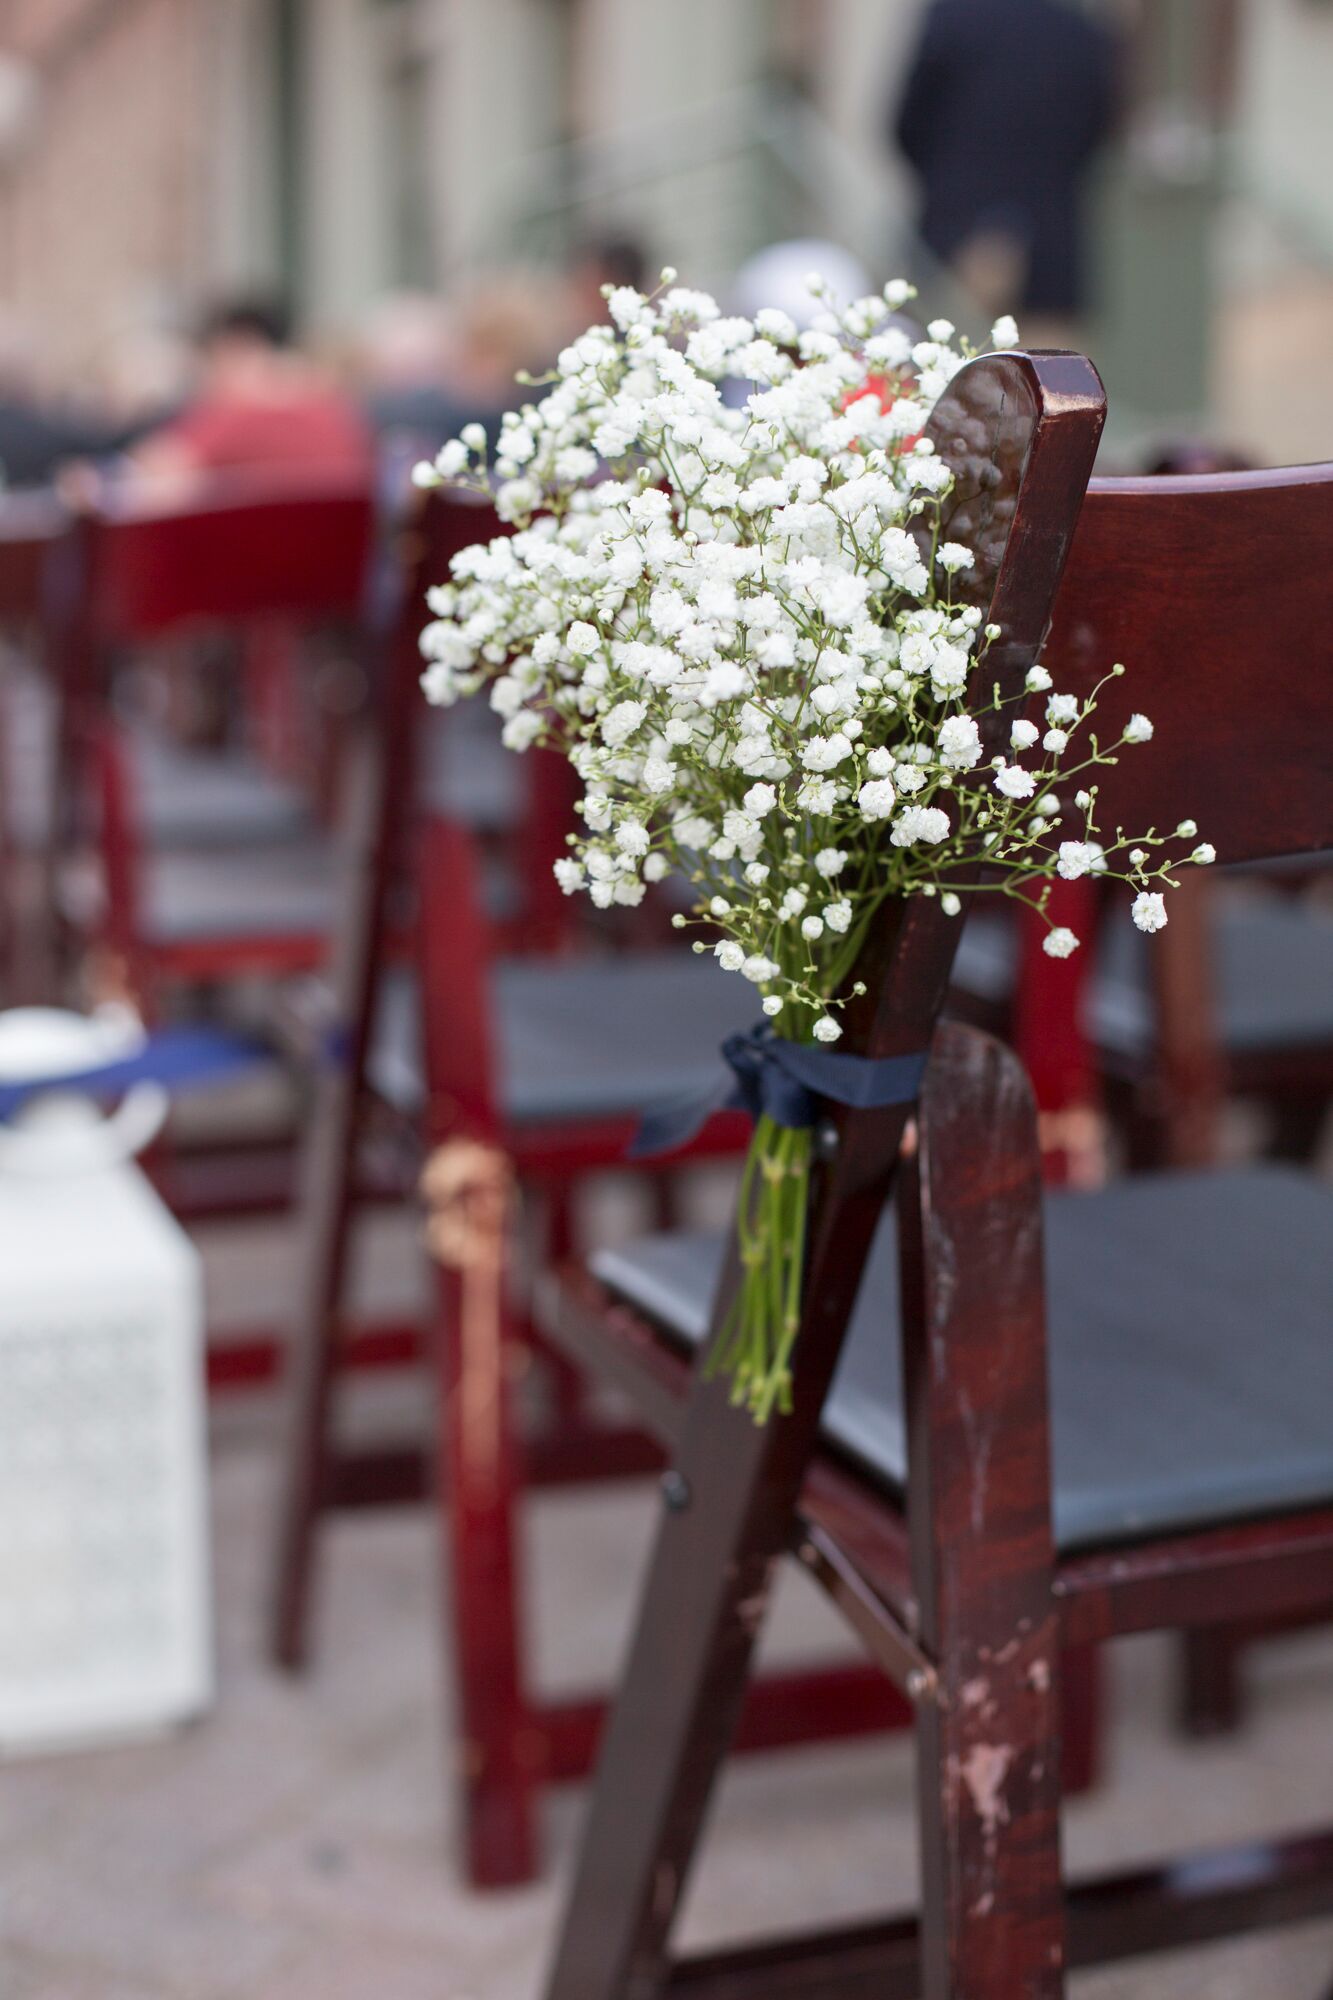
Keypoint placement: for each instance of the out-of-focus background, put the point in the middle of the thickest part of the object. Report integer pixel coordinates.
(256, 258)
(364, 156)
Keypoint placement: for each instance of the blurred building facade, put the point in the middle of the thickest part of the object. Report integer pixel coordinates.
(155, 152)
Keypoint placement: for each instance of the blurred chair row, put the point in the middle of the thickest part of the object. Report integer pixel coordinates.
(252, 813)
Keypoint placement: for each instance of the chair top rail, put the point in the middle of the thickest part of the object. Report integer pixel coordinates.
(227, 549)
(1215, 590)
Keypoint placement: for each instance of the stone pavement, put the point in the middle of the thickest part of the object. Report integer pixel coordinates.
(297, 1845)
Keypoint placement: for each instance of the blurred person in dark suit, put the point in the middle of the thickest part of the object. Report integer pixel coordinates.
(258, 403)
(1006, 104)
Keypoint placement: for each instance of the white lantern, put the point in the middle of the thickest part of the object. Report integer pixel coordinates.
(104, 1595)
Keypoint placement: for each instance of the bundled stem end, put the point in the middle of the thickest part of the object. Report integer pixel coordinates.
(755, 1342)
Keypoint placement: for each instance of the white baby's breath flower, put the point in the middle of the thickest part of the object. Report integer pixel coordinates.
(1149, 910)
(1080, 857)
(826, 1029)
(1205, 854)
(925, 825)
(1015, 782)
(1038, 680)
(1059, 943)
(1138, 729)
(1023, 735)
(877, 798)
(950, 904)
(959, 742)
(953, 556)
(759, 970)
(1004, 333)
(830, 861)
(621, 722)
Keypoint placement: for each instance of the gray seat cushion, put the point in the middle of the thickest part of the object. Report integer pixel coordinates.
(1191, 1348)
(1274, 974)
(188, 896)
(592, 1038)
(207, 799)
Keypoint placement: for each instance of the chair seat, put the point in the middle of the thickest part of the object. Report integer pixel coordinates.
(206, 799)
(582, 1039)
(1274, 975)
(1191, 1349)
(192, 896)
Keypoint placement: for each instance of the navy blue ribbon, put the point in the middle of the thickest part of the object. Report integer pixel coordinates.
(785, 1081)
(175, 1057)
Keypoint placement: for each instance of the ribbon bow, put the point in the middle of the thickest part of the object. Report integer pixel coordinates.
(785, 1081)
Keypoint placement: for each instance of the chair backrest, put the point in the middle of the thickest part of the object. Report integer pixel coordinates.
(230, 550)
(1216, 592)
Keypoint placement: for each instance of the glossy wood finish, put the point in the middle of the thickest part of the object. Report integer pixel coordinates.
(979, 1519)
(1181, 581)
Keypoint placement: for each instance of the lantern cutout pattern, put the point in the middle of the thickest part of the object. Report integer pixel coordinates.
(104, 1582)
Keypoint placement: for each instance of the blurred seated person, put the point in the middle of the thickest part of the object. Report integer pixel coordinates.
(37, 435)
(257, 403)
(421, 391)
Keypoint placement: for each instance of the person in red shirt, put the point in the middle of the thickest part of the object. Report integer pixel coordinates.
(260, 404)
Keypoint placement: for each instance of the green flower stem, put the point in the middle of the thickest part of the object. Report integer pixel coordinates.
(755, 1343)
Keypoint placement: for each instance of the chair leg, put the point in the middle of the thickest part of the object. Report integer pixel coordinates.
(324, 1226)
(991, 1900)
(497, 1759)
(1081, 1747)
(680, 1700)
(978, 1505)
(1211, 1695)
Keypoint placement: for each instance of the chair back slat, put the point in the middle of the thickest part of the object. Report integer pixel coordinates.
(235, 550)
(1216, 592)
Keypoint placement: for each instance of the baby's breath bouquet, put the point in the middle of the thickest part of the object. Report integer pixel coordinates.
(739, 615)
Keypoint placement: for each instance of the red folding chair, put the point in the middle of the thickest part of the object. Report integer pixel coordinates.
(211, 867)
(971, 1523)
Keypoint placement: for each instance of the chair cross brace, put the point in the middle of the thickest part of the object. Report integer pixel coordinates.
(1140, 1912)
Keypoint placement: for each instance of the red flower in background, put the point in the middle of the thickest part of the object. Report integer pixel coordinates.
(886, 389)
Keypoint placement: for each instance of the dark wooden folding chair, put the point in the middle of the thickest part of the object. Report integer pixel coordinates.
(971, 1521)
(212, 868)
(509, 1071)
